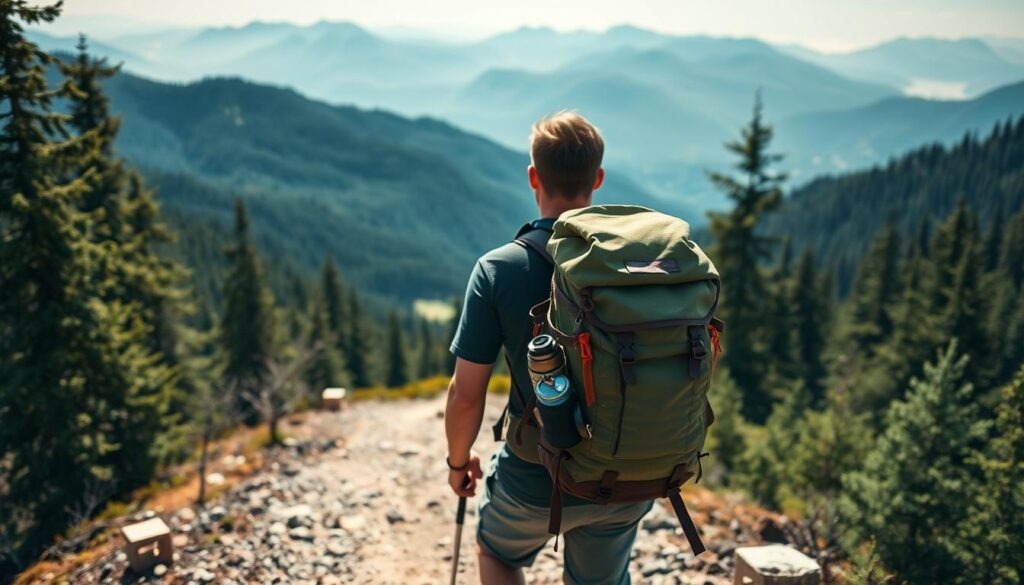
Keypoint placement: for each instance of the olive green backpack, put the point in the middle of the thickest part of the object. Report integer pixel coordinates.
(633, 305)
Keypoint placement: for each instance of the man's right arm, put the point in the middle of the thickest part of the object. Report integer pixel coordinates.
(476, 346)
(467, 396)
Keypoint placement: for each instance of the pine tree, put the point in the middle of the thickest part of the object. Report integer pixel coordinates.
(917, 334)
(765, 466)
(948, 246)
(336, 308)
(70, 366)
(965, 313)
(875, 289)
(811, 320)
(779, 323)
(359, 344)
(427, 363)
(90, 112)
(398, 367)
(1011, 259)
(993, 547)
(993, 241)
(327, 367)
(726, 439)
(247, 324)
(910, 497)
(739, 253)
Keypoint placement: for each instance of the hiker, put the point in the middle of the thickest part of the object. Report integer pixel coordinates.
(566, 152)
(601, 494)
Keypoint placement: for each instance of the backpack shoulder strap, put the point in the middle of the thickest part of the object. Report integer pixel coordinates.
(536, 239)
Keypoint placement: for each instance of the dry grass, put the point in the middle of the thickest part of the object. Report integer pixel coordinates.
(427, 388)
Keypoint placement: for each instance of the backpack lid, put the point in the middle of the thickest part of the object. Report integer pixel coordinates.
(626, 245)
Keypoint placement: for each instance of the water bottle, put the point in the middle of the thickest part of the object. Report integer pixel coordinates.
(558, 410)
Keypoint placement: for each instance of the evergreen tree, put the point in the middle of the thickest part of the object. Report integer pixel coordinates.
(398, 367)
(948, 246)
(726, 439)
(427, 364)
(779, 323)
(1011, 259)
(875, 289)
(993, 547)
(829, 443)
(90, 112)
(327, 367)
(359, 344)
(70, 360)
(124, 223)
(811, 316)
(916, 335)
(336, 308)
(910, 498)
(739, 253)
(993, 241)
(765, 466)
(964, 317)
(247, 323)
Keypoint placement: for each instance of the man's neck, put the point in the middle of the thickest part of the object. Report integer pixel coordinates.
(552, 207)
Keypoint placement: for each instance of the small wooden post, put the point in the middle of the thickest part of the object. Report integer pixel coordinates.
(775, 564)
(148, 543)
(332, 398)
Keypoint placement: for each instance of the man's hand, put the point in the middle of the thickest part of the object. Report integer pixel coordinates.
(464, 482)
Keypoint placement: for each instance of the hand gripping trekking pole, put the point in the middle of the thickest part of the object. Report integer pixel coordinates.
(460, 517)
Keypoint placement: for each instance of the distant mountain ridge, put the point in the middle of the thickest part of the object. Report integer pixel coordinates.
(856, 138)
(665, 102)
(929, 67)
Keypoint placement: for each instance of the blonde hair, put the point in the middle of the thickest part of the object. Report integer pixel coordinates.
(566, 149)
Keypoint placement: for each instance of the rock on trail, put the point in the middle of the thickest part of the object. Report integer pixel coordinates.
(361, 496)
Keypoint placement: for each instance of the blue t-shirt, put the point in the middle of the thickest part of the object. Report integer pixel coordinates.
(505, 284)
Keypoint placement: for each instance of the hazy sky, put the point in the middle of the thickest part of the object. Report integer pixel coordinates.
(823, 24)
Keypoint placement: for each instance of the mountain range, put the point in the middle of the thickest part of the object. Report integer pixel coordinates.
(666, 103)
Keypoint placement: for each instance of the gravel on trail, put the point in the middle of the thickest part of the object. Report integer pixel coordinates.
(361, 496)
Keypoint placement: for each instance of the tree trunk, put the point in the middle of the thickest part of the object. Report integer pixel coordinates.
(275, 438)
(202, 465)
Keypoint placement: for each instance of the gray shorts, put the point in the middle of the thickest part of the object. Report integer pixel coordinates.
(598, 539)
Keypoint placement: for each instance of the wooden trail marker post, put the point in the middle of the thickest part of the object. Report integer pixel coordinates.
(148, 543)
(775, 564)
(332, 398)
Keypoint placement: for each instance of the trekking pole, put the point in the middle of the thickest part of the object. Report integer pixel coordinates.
(460, 517)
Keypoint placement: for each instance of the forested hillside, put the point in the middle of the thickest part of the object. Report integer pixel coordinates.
(887, 422)
(424, 198)
(839, 216)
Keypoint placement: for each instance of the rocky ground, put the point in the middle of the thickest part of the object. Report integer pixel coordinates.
(361, 497)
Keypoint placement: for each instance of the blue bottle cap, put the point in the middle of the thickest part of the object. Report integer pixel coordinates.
(553, 391)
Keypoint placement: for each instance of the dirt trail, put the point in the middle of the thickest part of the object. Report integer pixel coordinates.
(361, 496)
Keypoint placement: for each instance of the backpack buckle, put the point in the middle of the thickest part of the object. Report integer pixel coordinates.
(698, 350)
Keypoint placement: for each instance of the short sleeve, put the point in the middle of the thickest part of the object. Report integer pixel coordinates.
(478, 337)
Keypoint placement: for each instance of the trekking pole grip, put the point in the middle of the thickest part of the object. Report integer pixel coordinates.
(460, 514)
